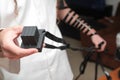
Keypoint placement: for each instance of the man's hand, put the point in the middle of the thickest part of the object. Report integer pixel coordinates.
(99, 42)
(9, 44)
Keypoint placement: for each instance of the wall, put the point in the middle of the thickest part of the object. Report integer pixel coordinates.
(114, 3)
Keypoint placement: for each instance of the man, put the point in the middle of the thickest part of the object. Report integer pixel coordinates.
(50, 64)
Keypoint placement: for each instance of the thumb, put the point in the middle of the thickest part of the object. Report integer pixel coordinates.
(100, 45)
(27, 52)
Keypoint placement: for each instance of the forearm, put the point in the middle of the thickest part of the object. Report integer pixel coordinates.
(72, 18)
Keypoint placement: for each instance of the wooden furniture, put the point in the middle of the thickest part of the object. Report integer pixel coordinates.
(109, 34)
(115, 75)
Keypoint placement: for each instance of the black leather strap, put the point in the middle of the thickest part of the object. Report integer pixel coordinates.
(67, 15)
(86, 32)
(92, 34)
(75, 22)
(71, 18)
(82, 28)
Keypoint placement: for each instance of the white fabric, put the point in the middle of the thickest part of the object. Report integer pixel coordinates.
(49, 64)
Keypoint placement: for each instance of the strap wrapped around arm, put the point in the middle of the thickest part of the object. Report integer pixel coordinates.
(73, 19)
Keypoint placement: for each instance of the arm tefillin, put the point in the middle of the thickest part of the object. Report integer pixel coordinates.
(74, 20)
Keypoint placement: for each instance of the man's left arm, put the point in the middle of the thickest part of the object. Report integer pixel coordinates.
(70, 17)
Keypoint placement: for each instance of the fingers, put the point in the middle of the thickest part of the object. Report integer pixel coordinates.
(18, 29)
(99, 43)
(13, 51)
(101, 46)
(21, 52)
(9, 44)
(26, 52)
(17, 53)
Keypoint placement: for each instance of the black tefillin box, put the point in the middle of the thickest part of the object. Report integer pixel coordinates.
(32, 37)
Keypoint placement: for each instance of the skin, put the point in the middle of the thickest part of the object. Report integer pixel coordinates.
(96, 39)
(9, 44)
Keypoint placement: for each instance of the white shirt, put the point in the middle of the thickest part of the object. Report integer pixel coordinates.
(50, 64)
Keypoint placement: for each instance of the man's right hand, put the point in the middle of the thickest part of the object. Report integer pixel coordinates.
(9, 44)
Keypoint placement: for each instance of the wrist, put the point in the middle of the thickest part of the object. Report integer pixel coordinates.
(91, 35)
(92, 32)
